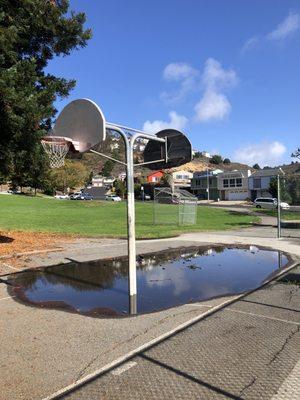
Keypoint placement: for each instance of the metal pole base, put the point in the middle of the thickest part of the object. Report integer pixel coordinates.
(133, 305)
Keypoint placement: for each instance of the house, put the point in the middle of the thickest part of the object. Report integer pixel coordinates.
(233, 185)
(155, 177)
(259, 182)
(205, 154)
(204, 184)
(182, 178)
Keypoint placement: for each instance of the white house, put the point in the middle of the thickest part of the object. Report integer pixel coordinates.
(182, 178)
(233, 185)
(101, 181)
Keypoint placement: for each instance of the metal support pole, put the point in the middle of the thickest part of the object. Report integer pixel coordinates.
(278, 208)
(132, 286)
(131, 227)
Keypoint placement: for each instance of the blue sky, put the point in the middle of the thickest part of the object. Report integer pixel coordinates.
(224, 72)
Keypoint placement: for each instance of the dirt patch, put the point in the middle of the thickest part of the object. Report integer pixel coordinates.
(14, 243)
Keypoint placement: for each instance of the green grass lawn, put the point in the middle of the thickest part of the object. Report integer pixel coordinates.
(285, 214)
(107, 219)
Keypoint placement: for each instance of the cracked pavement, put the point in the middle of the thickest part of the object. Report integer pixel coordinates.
(244, 351)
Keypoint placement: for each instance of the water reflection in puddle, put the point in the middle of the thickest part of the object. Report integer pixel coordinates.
(164, 279)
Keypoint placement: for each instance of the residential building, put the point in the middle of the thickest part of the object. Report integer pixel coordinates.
(233, 185)
(155, 177)
(102, 181)
(182, 179)
(205, 154)
(259, 182)
(204, 184)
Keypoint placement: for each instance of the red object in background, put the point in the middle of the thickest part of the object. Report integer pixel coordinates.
(155, 177)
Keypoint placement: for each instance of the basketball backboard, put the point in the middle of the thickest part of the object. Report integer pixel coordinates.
(177, 150)
(83, 122)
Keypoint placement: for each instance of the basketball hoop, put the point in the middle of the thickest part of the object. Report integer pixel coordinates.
(57, 148)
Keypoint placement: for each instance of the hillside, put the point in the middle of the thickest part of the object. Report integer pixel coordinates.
(202, 164)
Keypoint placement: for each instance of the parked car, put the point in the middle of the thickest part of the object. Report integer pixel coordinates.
(269, 203)
(112, 197)
(81, 196)
(61, 196)
(87, 196)
(76, 196)
(145, 197)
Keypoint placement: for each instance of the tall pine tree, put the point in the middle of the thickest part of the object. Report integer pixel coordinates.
(32, 32)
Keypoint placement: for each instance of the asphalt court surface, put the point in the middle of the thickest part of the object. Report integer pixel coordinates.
(244, 351)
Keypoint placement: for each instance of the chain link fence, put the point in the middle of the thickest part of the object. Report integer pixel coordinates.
(174, 207)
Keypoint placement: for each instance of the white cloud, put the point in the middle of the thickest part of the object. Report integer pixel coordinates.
(179, 72)
(176, 122)
(265, 153)
(286, 28)
(250, 44)
(212, 106)
(215, 77)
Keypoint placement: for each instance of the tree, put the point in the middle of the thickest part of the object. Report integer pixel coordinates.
(120, 187)
(32, 33)
(296, 154)
(256, 166)
(273, 189)
(107, 168)
(226, 161)
(72, 175)
(216, 159)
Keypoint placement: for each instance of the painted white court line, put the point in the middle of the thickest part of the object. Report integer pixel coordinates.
(263, 316)
(123, 368)
(290, 389)
(198, 305)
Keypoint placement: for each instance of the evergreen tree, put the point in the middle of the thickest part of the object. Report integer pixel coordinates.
(216, 159)
(120, 188)
(296, 154)
(256, 166)
(284, 194)
(107, 168)
(32, 32)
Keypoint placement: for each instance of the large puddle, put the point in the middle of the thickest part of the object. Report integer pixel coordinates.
(164, 279)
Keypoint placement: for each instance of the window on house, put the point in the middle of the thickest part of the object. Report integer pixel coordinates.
(225, 183)
(238, 182)
(256, 183)
(232, 182)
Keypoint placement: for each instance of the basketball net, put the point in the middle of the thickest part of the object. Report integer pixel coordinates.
(57, 149)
